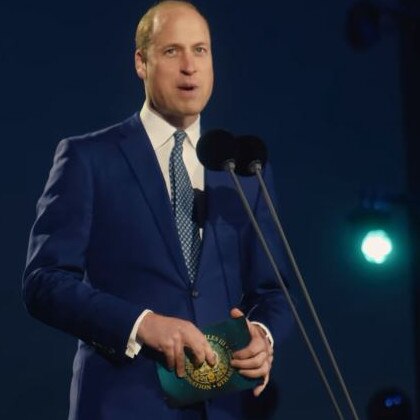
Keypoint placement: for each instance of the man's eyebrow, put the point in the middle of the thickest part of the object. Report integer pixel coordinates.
(178, 45)
(198, 44)
(171, 45)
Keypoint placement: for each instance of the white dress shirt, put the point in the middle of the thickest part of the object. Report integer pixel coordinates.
(161, 135)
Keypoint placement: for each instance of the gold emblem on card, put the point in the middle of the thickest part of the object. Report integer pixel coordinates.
(207, 377)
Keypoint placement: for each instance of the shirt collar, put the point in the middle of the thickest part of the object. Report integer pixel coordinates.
(160, 131)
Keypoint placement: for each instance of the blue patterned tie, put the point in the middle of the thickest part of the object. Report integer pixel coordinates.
(182, 197)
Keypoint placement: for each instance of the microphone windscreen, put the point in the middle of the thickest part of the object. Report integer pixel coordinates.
(215, 148)
(249, 150)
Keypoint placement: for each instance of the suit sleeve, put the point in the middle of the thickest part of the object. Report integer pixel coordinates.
(55, 287)
(263, 299)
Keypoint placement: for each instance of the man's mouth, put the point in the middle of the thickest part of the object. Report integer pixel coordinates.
(187, 87)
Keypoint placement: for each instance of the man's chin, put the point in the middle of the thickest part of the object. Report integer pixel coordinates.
(188, 112)
(190, 106)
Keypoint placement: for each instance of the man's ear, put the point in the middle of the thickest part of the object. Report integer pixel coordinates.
(140, 63)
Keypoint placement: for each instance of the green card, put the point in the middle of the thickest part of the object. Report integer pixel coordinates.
(206, 382)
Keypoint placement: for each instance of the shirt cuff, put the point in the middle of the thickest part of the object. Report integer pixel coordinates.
(134, 344)
(267, 332)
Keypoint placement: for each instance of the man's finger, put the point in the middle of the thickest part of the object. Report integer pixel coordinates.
(252, 363)
(260, 388)
(170, 358)
(236, 313)
(199, 346)
(256, 346)
(179, 359)
(256, 373)
(199, 355)
(210, 356)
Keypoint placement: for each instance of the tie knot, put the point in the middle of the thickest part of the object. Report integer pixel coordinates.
(179, 137)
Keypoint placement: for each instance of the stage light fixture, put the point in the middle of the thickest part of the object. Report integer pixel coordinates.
(372, 225)
(389, 404)
(376, 246)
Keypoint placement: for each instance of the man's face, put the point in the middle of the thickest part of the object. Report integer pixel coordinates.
(178, 69)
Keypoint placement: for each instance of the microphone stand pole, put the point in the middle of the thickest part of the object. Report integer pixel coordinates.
(256, 168)
(229, 166)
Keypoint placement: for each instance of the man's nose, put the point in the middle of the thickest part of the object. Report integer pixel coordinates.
(188, 65)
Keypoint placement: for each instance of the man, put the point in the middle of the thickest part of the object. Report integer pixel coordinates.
(116, 259)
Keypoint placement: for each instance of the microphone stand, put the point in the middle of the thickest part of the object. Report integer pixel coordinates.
(229, 166)
(256, 167)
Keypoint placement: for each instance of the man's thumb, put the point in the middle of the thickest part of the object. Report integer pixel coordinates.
(236, 313)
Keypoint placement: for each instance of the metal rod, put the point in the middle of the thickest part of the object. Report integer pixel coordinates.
(257, 170)
(230, 167)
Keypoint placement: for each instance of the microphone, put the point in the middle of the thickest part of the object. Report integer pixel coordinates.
(251, 154)
(218, 150)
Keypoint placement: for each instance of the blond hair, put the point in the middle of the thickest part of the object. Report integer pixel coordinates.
(145, 26)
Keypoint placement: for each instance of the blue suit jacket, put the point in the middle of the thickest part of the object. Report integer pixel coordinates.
(104, 247)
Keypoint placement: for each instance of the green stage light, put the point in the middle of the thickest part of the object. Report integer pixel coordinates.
(376, 246)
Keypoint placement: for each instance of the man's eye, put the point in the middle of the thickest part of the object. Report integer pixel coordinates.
(170, 51)
(200, 50)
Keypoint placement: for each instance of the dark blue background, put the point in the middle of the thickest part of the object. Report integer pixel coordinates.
(331, 118)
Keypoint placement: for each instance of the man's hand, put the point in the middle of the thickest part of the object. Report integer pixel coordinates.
(170, 336)
(255, 360)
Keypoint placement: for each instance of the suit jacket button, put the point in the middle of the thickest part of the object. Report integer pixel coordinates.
(194, 293)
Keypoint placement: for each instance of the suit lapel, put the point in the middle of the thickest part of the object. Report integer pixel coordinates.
(139, 153)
